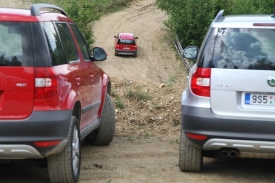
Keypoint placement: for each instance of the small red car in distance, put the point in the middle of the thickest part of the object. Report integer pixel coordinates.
(52, 94)
(126, 44)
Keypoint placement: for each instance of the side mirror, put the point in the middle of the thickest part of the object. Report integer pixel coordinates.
(191, 52)
(99, 54)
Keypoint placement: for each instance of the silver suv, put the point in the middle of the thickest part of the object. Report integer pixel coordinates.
(228, 106)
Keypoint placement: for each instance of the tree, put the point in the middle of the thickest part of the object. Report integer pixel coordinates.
(190, 19)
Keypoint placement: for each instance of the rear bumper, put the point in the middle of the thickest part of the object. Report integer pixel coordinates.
(17, 136)
(247, 135)
(124, 52)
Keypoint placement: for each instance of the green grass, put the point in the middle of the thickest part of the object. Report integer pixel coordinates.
(117, 100)
(138, 95)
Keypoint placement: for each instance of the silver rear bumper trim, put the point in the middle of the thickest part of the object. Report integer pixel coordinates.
(247, 148)
(19, 152)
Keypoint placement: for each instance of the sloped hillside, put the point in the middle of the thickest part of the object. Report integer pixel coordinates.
(157, 72)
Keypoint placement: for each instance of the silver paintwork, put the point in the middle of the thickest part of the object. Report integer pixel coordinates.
(243, 21)
(228, 88)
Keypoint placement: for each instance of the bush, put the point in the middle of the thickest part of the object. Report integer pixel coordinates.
(84, 12)
(190, 19)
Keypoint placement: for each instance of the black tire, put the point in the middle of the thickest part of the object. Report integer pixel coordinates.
(190, 157)
(116, 54)
(64, 167)
(106, 130)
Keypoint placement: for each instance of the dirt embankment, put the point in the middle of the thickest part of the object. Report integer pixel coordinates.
(157, 72)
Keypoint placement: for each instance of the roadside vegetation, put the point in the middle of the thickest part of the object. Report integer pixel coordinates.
(190, 19)
(84, 12)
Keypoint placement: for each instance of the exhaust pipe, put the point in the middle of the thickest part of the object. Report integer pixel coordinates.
(230, 152)
(234, 153)
(225, 153)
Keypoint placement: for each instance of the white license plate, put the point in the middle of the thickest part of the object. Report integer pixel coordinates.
(126, 48)
(259, 99)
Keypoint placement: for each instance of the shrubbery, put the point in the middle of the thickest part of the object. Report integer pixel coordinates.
(84, 12)
(190, 19)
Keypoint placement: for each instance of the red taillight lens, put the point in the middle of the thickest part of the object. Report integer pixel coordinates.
(264, 24)
(200, 82)
(45, 83)
(196, 136)
(47, 143)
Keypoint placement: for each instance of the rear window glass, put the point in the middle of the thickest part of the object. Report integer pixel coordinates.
(244, 48)
(15, 44)
(126, 41)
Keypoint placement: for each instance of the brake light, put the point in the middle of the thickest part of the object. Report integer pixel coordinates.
(200, 82)
(47, 143)
(196, 136)
(45, 83)
(264, 24)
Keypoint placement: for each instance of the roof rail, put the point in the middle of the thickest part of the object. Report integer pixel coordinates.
(273, 15)
(219, 16)
(35, 9)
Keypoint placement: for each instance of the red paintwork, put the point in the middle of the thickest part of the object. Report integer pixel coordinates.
(81, 82)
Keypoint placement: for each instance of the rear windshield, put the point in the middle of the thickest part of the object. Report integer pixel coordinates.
(15, 44)
(126, 41)
(244, 48)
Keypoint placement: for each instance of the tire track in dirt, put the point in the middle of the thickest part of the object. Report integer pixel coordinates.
(129, 161)
(154, 52)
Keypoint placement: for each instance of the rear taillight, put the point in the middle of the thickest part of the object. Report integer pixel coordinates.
(264, 24)
(200, 82)
(45, 83)
(47, 143)
(196, 136)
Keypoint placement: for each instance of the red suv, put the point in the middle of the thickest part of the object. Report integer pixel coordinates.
(52, 94)
(126, 44)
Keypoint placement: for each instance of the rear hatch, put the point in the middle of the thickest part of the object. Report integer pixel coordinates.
(243, 73)
(16, 70)
(126, 45)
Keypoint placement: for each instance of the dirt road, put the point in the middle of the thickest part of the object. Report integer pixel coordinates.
(145, 148)
(154, 52)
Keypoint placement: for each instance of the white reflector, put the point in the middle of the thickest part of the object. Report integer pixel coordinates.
(43, 82)
(203, 81)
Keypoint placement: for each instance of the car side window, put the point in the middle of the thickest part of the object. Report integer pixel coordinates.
(81, 42)
(54, 44)
(67, 42)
